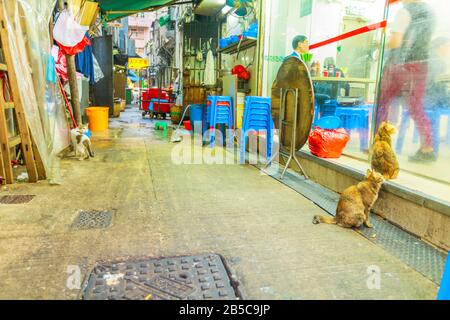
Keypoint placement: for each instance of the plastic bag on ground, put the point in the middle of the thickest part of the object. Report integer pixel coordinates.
(325, 143)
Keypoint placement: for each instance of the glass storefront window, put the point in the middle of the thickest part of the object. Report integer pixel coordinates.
(345, 71)
(414, 93)
(366, 81)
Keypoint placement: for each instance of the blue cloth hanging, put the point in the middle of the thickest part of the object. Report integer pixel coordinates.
(84, 63)
(133, 77)
(51, 69)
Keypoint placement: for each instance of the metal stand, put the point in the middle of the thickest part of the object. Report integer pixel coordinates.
(282, 122)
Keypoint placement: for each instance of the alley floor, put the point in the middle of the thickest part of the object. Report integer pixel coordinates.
(262, 228)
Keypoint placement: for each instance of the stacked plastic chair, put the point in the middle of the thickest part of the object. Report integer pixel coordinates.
(358, 118)
(219, 110)
(257, 118)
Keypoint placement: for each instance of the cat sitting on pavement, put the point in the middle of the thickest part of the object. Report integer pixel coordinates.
(81, 143)
(355, 203)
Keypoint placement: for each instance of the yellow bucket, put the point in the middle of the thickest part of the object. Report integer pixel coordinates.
(98, 118)
(239, 116)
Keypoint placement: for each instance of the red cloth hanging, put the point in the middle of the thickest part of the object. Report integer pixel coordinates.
(71, 51)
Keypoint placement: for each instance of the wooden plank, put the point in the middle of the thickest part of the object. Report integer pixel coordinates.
(2, 171)
(39, 164)
(14, 141)
(22, 125)
(5, 151)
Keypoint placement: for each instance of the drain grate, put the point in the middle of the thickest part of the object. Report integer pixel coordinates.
(16, 199)
(202, 277)
(92, 219)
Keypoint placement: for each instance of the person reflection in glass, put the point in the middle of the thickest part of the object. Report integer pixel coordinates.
(406, 69)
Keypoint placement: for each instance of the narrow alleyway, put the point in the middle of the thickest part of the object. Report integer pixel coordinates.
(261, 227)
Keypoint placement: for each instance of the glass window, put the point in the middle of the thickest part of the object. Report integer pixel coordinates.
(396, 72)
(414, 93)
(344, 71)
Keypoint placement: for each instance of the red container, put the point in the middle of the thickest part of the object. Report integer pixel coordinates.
(187, 125)
(325, 73)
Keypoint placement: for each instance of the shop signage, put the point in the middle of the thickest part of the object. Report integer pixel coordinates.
(137, 63)
(115, 25)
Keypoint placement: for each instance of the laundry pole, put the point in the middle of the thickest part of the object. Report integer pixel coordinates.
(73, 83)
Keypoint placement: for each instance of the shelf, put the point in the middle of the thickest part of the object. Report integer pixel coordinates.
(245, 43)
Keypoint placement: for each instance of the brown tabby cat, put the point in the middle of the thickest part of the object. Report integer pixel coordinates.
(355, 203)
(383, 156)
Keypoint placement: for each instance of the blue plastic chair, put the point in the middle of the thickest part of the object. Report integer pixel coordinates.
(319, 101)
(328, 108)
(329, 123)
(219, 111)
(257, 118)
(444, 291)
(435, 118)
(356, 118)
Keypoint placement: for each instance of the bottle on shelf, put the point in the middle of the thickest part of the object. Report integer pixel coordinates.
(313, 69)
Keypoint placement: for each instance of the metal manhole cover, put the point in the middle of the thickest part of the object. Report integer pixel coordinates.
(92, 219)
(16, 199)
(202, 277)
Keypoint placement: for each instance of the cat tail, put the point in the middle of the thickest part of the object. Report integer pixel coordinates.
(87, 144)
(326, 220)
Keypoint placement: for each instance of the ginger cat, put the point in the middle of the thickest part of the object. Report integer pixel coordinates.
(384, 159)
(355, 203)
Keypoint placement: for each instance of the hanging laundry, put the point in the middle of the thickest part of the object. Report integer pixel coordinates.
(84, 62)
(71, 51)
(51, 69)
(67, 31)
(61, 63)
(98, 73)
(69, 35)
(210, 69)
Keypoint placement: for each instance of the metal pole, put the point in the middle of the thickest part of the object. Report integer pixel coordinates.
(72, 74)
(282, 122)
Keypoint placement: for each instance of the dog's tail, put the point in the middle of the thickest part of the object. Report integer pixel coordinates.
(322, 219)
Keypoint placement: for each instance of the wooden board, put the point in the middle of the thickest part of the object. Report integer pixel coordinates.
(5, 152)
(20, 115)
(294, 74)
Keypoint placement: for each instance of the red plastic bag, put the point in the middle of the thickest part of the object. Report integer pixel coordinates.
(325, 143)
(241, 72)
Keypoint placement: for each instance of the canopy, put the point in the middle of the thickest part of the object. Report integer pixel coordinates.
(115, 9)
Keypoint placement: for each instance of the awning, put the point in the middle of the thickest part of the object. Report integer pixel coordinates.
(115, 9)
